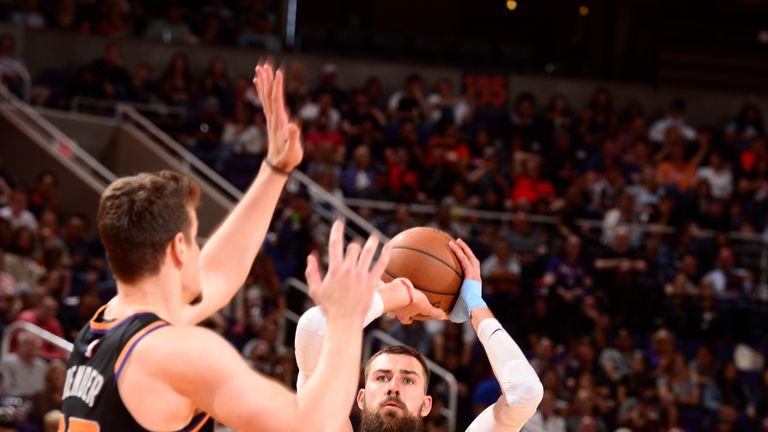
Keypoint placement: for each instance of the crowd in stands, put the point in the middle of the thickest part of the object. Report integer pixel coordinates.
(252, 23)
(650, 318)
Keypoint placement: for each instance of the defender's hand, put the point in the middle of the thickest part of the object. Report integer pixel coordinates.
(284, 149)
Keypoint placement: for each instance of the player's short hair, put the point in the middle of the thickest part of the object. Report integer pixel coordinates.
(400, 350)
(140, 215)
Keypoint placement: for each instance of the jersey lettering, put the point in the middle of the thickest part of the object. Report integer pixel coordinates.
(83, 382)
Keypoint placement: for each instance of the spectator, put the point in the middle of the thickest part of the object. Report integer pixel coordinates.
(409, 104)
(673, 120)
(113, 19)
(501, 269)
(17, 212)
(582, 416)
(599, 119)
(29, 15)
(728, 389)
(443, 104)
(748, 124)
(567, 276)
(616, 361)
(109, 74)
(359, 179)
(546, 419)
(13, 71)
(526, 241)
(718, 174)
(242, 136)
(142, 87)
(44, 316)
(217, 85)
(675, 383)
(24, 371)
(328, 84)
(729, 281)
(18, 259)
(257, 26)
(529, 186)
(50, 397)
(678, 173)
(544, 355)
(171, 29)
(177, 87)
(321, 109)
(43, 196)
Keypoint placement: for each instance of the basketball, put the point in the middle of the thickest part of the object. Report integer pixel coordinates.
(422, 255)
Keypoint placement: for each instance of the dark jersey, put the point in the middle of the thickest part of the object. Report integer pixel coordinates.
(91, 401)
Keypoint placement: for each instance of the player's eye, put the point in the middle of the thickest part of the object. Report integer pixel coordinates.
(382, 378)
(407, 380)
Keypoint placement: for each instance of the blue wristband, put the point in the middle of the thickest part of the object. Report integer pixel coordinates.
(470, 298)
(472, 292)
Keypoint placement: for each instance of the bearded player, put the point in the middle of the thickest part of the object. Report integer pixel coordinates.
(394, 398)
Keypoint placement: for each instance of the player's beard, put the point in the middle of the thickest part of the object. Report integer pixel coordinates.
(384, 421)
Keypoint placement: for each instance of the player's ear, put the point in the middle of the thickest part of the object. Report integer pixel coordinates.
(361, 398)
(427, 407)
(178, 248)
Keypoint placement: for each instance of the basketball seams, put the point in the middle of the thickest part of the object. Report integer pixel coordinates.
(417, 287)
(436, 258)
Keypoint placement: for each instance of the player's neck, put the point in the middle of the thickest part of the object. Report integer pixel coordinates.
(160, 294)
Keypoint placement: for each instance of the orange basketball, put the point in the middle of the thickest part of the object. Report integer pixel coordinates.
(422, 255)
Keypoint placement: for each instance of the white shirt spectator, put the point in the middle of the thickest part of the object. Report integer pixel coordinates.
(21, 378)
(538, 423)
(493, 264)
(721, 182)
(25, 218)
(311, 111)
(28, 19)
(719, 280)
(658, 129)
(250, 140)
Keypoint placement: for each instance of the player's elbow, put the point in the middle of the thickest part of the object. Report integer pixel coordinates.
(522, 387)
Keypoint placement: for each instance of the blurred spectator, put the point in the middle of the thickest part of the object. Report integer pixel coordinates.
(729, 281)
(727, 389)
(676, 385)
(501, 269)
(599, 119)
(582, 418)
(29, 15)
(359, 178)
(718, 174)
(544, 355)
(258, 26)
(673, 120)
(44, 316)
(409, 104)
(177, 86)
(49, 398)
(171, 29)
(109, 74)
(616, 361)
(242, 135)
(13, 71)
(18, 259)
(113, 20)
(142, 87)
(529, 186)
(43, 196)
(546, 418)
(217, 85)
(444, 105)
(677, 172)
(24, 372)
(748, 124)
(17, 212)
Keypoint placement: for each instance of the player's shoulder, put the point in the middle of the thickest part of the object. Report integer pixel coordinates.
(175, 345)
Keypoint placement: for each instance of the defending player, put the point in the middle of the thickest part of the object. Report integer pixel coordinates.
(141, 364)
(394, 398)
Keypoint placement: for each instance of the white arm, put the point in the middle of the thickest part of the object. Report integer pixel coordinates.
(521, 388)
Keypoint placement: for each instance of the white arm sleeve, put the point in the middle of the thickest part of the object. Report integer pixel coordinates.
(309, 337)
(521, 388)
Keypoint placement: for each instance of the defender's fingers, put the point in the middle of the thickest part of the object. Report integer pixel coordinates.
(336, 244)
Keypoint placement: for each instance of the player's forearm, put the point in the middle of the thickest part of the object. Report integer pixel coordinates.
(326, 397)
(518, 380)
(228, 255)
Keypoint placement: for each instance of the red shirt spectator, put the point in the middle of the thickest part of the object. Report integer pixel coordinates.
(44, 316)
(529, 187)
